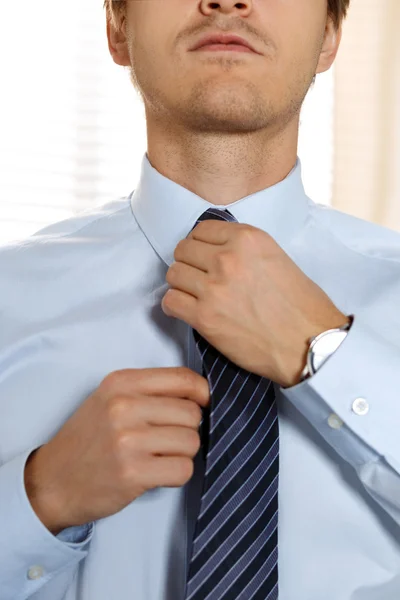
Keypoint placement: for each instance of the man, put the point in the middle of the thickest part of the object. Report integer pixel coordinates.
(199, 382)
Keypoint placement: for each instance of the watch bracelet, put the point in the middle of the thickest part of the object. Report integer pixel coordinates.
(306, 374)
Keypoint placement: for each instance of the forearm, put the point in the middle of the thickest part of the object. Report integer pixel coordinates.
(30, 555)
(366, 367)
(43, 499)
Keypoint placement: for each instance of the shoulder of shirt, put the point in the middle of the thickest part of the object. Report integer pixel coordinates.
(94, 222)
(359, 235)
(64, 249)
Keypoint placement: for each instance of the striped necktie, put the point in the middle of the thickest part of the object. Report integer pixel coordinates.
(235, 546)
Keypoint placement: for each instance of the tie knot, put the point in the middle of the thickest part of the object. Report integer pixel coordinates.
(217, 214)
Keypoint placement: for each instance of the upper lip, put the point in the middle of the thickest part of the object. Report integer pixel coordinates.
(222, 38)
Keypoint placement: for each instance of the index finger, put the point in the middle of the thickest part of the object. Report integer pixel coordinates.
(178, 382)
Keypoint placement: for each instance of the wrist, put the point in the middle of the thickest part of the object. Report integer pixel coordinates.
(309, 361)
(42, 496)
(323, 345)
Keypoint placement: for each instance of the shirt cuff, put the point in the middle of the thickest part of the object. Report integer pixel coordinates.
(76, 536)
(356, 386)
(30, 555)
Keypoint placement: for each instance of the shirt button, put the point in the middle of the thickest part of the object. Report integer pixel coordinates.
(360, 406)
(35, 572)
(334, 421)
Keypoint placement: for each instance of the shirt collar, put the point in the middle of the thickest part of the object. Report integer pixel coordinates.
(166, 212)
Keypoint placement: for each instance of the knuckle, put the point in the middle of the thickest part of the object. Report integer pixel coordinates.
(169, 298)
(225, 261)
(195, 413)
(122, 443)
(188, 376)
(112, 381)
(180, 245)
(249, 235)
(117, 407)
(185, 469)
(193, 441)
(172, 272)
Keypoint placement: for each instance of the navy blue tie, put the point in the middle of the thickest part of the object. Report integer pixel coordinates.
(235, 546)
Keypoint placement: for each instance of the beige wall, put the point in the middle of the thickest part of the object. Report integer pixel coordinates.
(367, 113)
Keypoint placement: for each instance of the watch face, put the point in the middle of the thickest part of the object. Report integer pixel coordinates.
(325, 347)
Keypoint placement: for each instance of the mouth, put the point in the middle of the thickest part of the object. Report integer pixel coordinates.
(224, 48)
(223, 42)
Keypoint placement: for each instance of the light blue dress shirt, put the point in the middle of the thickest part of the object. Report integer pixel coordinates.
(82, 298)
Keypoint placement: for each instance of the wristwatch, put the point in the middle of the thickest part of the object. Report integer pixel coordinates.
(322, 346)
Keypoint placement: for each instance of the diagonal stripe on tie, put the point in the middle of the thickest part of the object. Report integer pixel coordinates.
(235, 546)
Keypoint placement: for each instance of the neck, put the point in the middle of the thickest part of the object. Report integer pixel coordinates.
(222, 168)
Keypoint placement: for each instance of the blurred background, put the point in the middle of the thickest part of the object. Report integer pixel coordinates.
(72, 128)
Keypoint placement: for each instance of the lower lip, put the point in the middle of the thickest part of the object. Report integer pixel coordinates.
(225, 48)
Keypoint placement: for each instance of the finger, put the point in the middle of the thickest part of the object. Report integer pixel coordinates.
(157, 411)
(188, 279)
(180, 305)
(173, 411)
(213, 231)
(169, 440)
(176, 382)
(195, 253)
(167, 471)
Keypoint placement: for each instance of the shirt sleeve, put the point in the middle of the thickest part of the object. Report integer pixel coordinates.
(30, 555)
(354, 402)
